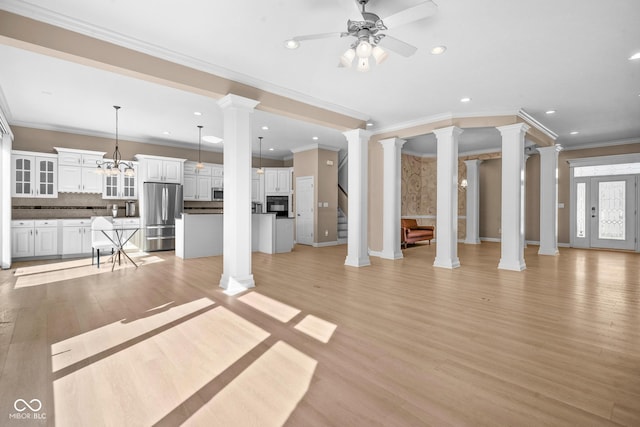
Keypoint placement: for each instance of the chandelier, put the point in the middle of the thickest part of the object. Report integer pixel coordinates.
(115, 165)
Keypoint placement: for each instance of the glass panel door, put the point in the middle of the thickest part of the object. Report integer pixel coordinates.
(612, 212)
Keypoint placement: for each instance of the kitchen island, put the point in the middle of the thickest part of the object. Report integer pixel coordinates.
(200, 235)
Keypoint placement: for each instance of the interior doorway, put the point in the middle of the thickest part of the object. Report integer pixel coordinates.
(304, 210)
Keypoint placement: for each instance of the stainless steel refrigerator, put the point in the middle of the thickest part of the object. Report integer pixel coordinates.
(163, 204)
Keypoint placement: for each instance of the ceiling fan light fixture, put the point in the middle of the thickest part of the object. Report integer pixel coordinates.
(364, 49)
(347, 58)
(379, 54)
(363, 65)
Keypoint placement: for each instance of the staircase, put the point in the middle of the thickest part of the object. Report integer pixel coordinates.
(342, 227)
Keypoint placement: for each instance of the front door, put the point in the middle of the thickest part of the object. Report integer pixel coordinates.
(612, 212)
(605, 212)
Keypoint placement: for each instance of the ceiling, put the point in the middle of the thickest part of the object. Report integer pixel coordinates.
(569, 56)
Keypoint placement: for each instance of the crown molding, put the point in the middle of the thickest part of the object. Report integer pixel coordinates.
(438, 118)
(601, 144)
(314, 147)
(4, 113)
(63, 21)
(536, 124)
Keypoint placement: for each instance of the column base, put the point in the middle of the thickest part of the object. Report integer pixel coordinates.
(472, 242)
(235, 285)
(387, 255)
(512, 265)
(446, 263)
(357, 261)
(548, 251)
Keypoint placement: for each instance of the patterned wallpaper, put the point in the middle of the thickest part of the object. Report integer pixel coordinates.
(419, 190)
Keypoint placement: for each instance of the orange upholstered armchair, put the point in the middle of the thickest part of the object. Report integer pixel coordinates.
(412, 232)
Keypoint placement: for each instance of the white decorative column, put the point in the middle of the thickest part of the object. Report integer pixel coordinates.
(524, 202)
(512, 246)
(5, 200)
(391, 198)
(447, 197)
(473, 202)
(549, 200)
(357, 239)
(236, 274)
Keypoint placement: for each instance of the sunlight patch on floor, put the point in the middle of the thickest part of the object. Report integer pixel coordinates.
(264, 394)
(53, 274)
(75, 349)
(316, 328)
(269, 306)
(142, 383)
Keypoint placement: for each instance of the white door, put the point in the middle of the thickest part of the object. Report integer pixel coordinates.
(605, 212)
(91, 181)
(22, 242)
(304, 210)
(612, 212)
(172, 171)
(46, 241)
(189, 188)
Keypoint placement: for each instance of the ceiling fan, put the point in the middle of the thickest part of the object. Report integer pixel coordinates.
(370, 38)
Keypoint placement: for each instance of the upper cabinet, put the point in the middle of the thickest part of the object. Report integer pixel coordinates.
(197, 182)
(34, 174)
(120, 185)
(78, 171)
(217, 176)
(277, 181)
(159, 169)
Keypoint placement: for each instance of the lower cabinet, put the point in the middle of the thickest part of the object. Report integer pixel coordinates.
(34, 238)
(76, 236)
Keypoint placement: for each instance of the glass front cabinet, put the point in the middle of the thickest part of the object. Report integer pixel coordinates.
(34, 174)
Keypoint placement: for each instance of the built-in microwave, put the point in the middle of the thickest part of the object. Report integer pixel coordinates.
(217, 194)
(279, 205)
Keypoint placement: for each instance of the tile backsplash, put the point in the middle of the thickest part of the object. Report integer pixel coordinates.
(66, 205)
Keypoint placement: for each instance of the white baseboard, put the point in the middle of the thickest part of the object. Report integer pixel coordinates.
(323, 244)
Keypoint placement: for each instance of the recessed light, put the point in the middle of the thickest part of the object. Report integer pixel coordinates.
(212, 139)
(197, 113)
(166, 132)
(46, 92)
(634, 56)
(265, 127)
(369, 124)
(574, 132)
(550, 112)
(315, 138)
(271, 149)
(291, 44)
(465, 99)
(438, 50)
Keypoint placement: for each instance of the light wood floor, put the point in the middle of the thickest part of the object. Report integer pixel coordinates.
(399, 343)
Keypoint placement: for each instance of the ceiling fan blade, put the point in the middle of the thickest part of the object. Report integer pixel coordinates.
(397, 46)
(318, 36)
(415, 13)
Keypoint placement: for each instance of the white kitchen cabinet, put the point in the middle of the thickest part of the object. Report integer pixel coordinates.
(121, 186)
(76, 236)
(277, 181)
(159, 169)
(197, 182)
(34, 238)
(78, 170)
(217, 176)
(22, 239)
(34, 174)
(257, 186)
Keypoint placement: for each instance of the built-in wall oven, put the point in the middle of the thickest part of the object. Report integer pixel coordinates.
(280, 205)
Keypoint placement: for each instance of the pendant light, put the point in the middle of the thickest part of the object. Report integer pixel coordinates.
(260, 171)
(199, 165)
(112, 167)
